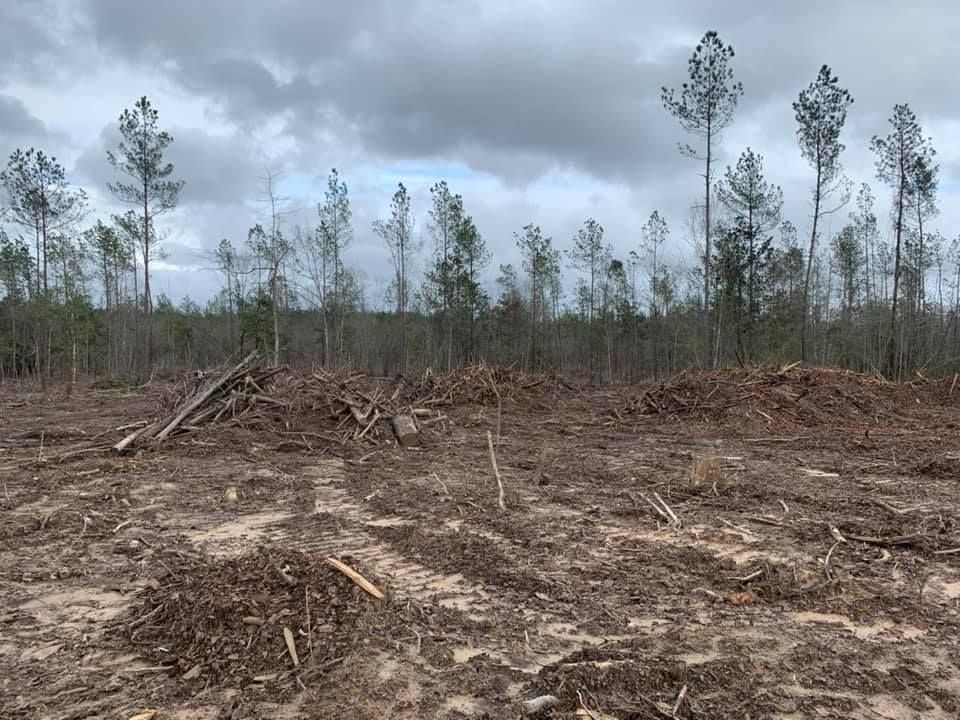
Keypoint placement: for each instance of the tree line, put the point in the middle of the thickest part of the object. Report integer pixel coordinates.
(76, 295)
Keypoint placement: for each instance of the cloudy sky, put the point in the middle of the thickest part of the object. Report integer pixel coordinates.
(534, 111)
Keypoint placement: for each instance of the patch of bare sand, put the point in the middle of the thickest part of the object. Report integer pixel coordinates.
(862, 632)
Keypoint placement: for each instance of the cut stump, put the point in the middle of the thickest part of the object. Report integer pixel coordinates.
(406, 430)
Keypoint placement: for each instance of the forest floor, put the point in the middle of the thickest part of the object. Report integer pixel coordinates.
(812, 578)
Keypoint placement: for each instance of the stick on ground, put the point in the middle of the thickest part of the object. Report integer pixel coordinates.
(356, 577)
(496, 472)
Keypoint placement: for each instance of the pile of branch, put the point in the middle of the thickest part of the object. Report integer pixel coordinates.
(236, 392)
(356, 412)
(790, 395)
(482, 384)
(335, 407)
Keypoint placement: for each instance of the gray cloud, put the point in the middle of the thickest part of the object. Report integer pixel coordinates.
(578, 85)
(218, 169)
(554, 107)
(17, 121)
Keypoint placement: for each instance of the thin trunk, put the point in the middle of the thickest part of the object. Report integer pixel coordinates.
(892, 343)
(43, 228)
(813, 241)
(276, 320)
(706, 249)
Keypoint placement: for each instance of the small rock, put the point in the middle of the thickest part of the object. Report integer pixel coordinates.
(230, 495)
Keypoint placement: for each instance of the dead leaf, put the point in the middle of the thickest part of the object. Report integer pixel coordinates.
(291, 646)
(741, 598)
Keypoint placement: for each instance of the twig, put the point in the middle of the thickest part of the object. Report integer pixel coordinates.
(826, 562)
(143, 618)
(306, 601)
(953, 384)
(356, 577)
(784, 506)
(895, 510)
(680, 697)
(376, 416)
(891, 541)
(496, 472)
(122, 525)
(951, 551)
(666, 507)
(652, 504)
(764, 520)
(493, 386)
(584, 707)
(437, 478)
(738, 528)
(748, 578)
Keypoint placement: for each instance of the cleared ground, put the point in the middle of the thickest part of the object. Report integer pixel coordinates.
(813, 579)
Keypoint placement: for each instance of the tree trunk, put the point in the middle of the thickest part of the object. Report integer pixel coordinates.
(706, 251)
(892, 342)
(276, 320)
(806, 283)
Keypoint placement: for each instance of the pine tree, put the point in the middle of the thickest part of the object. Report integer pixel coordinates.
(397, 233)
(756, 206)
(821, 111)
(898, 155)
(41, 199)
(139, 156)
(591, 256)
(334, 235)
(704, 109)
(541, 262)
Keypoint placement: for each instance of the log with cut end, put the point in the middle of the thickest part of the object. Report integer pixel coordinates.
(406, 430)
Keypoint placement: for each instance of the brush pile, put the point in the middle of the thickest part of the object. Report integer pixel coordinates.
(335, 407)
(251, 394)
(482, 384)
(784, 397)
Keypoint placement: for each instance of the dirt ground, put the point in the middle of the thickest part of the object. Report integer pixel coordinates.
(813, 578)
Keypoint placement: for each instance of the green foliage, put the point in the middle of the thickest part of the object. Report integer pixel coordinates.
(821, 112)
(706, 102)
(139, 156)
(705, 108)
(905, 162)
(16, 267)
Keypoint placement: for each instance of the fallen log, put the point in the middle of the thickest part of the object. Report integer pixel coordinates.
(205, 395)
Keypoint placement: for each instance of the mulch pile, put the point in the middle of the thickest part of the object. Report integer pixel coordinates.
(224, 620)
(789, 397)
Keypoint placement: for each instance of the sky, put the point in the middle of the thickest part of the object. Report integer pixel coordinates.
(534, 111)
